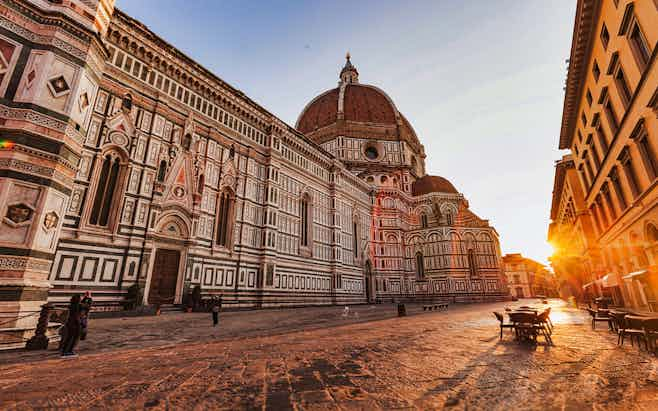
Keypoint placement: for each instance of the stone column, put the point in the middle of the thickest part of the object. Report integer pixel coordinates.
(49, 86)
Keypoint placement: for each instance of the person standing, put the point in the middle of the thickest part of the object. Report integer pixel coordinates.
(216, 306)
(72, 327)
(85, 309)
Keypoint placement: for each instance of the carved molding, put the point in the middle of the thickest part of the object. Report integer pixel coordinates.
(9, 263)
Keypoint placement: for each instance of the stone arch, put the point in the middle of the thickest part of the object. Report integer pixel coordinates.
(119, 141)
(173, 224)
(392, 238)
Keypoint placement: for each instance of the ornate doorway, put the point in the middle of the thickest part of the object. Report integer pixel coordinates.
(164, 277)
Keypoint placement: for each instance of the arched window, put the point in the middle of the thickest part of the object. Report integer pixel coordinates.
(420, 266)
(448, 218)
(225, 219)
(162, 170)
(304, 214)
(423, 220)
(105, 191)
(472, 263)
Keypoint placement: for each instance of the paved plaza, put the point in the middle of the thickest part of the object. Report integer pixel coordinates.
(313, 358)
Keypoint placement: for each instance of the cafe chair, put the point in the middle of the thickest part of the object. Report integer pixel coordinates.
(503, 325)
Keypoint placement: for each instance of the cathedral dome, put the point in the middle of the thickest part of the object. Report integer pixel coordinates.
(432, 184)
(355, 110)
(360, 103)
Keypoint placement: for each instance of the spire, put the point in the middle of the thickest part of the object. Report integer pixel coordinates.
(349, 74)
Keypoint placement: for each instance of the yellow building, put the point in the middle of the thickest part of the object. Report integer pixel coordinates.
(527, 277)
(605, 221)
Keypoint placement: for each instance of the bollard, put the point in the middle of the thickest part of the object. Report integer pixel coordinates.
(402, 310)
(40, 341)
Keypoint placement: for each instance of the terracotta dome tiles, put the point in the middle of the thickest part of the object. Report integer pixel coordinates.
(320, 113)
(367, 111)
(432, 184)
(367, 105)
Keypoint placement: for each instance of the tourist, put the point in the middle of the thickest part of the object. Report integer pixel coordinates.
(216, 307)
(85, 308)
(72, 327)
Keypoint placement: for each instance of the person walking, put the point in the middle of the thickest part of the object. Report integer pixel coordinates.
(72, 327)
(85, 309)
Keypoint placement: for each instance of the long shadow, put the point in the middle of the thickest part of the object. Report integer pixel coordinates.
(287, 326)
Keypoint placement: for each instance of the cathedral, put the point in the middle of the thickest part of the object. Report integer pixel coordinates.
(126, 164)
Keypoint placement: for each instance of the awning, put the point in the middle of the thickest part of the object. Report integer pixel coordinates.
(634, 274)
(609, 280)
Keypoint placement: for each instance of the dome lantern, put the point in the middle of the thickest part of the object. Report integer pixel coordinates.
(349, 74)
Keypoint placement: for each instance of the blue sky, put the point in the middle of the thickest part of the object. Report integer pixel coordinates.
(480, 81)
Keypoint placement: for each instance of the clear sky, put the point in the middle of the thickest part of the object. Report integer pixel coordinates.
(480, 81)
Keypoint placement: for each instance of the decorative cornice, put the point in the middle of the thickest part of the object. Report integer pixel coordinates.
(561, 167)
(587, 12)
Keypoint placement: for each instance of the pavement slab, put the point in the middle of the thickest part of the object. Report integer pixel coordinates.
(315, 359)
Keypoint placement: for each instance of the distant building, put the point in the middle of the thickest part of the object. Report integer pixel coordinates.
(605, 200)
(527, 277)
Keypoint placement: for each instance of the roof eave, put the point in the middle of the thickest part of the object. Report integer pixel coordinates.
(586, 14)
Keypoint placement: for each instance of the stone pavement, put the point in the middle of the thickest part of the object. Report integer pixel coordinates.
(314, 359)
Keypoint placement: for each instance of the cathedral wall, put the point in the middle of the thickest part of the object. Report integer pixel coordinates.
(141, 112)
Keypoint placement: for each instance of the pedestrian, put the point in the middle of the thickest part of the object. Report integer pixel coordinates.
(85, 309)
(72, 327)
(216, 306)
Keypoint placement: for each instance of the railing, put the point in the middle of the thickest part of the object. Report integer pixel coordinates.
(13, 336)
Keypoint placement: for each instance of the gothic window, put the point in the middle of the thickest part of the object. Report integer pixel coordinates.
(225, 217)
(472, 263)
(105, 191)
(162, 170)
(420, 266)
(423, 220)
(449, 219)
(305, 217)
